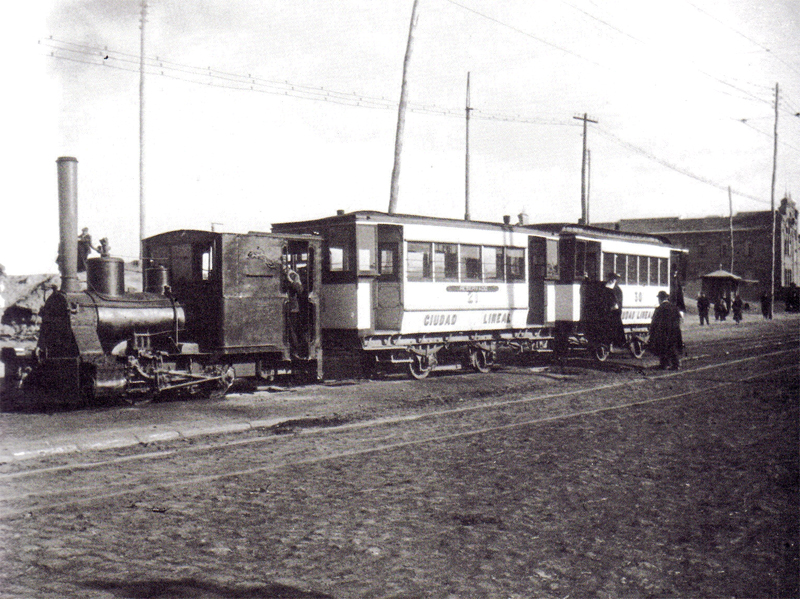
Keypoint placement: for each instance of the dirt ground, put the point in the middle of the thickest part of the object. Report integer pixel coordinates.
(694, 496)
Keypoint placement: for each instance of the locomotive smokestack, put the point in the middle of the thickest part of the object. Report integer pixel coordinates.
(68, 222)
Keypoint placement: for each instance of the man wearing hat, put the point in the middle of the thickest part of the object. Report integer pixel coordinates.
(666, 340)
(612, 312)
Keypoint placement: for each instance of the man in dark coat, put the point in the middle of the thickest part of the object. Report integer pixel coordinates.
(703, 305)
(295, 308)
(666, 340)
(737, 307)
(84, 247)
(612, 312)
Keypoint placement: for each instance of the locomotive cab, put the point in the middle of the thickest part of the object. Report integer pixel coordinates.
(241, 308)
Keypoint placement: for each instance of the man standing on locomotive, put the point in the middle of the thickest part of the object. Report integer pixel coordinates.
(666, 340)
(297, 302)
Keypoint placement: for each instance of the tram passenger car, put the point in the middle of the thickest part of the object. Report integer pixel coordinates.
(419, 291)
(645, 265)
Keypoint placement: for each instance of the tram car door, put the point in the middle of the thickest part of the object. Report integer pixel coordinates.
(543, 269)
(388, 299)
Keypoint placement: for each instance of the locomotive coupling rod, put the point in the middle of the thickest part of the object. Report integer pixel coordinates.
(190, 383)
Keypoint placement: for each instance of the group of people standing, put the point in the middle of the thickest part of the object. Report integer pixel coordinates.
(665, 337)
(724, 306)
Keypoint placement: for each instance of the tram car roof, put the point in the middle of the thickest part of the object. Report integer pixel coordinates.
(201, 236)
(543, 229)
(600, 233)
(400, 219)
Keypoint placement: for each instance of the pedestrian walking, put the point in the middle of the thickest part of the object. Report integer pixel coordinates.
(720, 311)
(666, 339)
(766, 305)
(737, 309)
(703, 305)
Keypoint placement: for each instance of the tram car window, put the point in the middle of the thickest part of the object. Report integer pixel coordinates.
(470, 263)
(515, 264)
(419, 261)
(493, 264)
(445, 261)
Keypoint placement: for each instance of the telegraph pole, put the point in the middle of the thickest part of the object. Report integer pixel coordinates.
(730, 222)
(466, 170)
(588, 182)
(772, 204)
(401, 115)
(584, 207)
(141, 141)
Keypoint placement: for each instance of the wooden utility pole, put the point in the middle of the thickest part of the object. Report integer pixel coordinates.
(772, 204)
(466, 166)
(584, 207)
(730, 222)
(142, 229)
(588, 182)
(401, 114)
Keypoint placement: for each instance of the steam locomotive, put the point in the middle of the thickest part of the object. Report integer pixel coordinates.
(214, 306)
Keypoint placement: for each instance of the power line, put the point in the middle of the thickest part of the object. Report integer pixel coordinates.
(239, 82)
(746, 123)
(525, 33)
(210, 77)
(674, 167)
(748, 38)
(749, 95)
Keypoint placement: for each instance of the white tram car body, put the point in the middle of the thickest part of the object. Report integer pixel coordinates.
(405, 287)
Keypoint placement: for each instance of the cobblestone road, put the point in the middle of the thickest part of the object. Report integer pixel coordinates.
(577, 494)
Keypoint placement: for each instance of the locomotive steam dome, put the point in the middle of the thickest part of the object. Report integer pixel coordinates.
(106, 276)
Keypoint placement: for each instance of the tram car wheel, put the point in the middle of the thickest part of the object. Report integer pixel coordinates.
(601, 352)
(636, 347)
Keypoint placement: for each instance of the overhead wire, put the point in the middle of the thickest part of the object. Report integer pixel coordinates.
(525, 33)
(749, 95)
(208, 76)
(235, 81)
(646, 153)
(748, 38)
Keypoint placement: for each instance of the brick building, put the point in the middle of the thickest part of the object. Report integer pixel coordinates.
(708, 240)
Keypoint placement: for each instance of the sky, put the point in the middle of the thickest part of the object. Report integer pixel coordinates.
(263, 111)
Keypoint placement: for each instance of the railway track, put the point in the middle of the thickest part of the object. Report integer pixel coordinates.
(147, 477)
